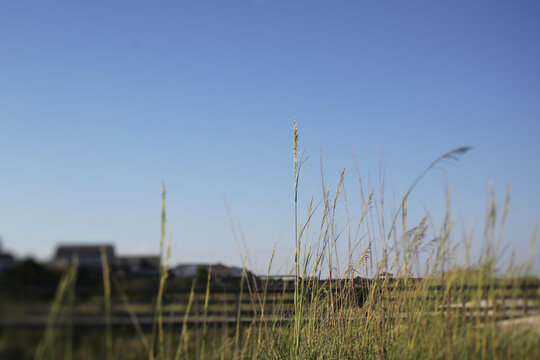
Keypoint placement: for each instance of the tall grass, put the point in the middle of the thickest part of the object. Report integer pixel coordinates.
(440, 303)
(163, 274)
(107, 303)
(48, 347)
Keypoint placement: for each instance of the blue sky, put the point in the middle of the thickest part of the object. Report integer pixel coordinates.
(102, 101)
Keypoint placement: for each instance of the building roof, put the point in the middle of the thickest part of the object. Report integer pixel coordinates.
(83, 250)
(131, 260)
(8, 257)
(218, 269)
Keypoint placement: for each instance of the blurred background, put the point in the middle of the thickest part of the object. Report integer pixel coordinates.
(101, 102)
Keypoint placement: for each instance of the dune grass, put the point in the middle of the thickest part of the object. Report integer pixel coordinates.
(450, 307)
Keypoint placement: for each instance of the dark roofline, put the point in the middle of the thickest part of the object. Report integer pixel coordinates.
(85, 246)
(64, 249)
(7, 256)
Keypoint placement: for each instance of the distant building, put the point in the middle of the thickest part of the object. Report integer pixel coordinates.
(235, 271)
(88, 256)
(138, 265)
(7, 261)
(218, 270)
(187, 270)
(386, 275)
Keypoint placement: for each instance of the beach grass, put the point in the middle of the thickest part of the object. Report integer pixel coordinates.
(400, 294)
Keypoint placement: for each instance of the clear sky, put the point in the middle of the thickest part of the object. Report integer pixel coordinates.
(101, 101)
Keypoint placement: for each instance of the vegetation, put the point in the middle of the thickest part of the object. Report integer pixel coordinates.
(455, 309)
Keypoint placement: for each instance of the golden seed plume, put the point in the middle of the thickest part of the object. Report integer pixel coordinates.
(295, 143)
